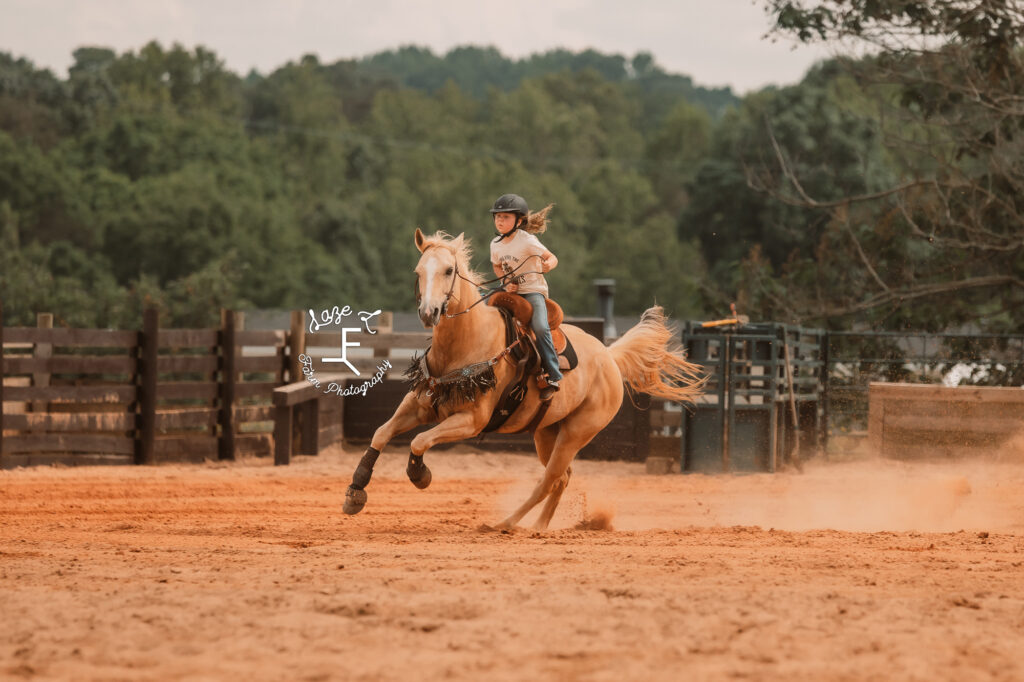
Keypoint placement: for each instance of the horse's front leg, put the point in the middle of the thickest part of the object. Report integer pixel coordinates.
(458, 426)
(408, 415)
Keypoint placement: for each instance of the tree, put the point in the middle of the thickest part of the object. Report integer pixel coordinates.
(674, 152)
(32, 102)
(157, 177)
(829, 141)
(944, 242)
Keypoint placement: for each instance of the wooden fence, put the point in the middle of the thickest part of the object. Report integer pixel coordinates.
(98, 396)
(912, 421)
(318, 419)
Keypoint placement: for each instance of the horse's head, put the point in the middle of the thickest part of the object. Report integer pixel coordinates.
(437, 275)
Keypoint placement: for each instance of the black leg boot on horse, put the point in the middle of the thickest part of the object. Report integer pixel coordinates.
(355, 496)
(407, 416)
(418, 472)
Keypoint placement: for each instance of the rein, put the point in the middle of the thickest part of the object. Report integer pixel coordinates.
(490, 292)
(463, 384)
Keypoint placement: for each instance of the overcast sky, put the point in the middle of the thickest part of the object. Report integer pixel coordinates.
(717, 42)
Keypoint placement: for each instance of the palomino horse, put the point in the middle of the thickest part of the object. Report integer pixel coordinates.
(465, 335)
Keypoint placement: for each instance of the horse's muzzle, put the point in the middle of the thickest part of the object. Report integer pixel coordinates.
(430, 318)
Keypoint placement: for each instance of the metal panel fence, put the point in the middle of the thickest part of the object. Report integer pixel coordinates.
(855, 359)
(743, 423)
(764, 399)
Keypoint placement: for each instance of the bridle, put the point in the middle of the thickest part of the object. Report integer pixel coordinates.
(419, 371)
(447, 297)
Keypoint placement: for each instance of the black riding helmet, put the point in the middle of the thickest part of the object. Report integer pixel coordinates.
(511, 203)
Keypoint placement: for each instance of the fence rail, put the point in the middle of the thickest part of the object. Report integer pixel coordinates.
(856, 359)
(154, 395)
(910, 421)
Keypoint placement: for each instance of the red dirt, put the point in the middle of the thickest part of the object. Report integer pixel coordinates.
(864, 570)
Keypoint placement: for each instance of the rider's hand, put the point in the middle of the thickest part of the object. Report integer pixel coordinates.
(511, 288)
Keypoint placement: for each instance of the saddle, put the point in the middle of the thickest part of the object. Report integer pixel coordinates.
(517, 312)
(522, 312)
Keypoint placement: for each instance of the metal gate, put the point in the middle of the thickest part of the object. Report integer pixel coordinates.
(764, 397)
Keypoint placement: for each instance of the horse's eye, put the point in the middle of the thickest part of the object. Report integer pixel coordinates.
(449, 271)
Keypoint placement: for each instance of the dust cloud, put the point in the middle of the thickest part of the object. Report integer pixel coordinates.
(864, 496)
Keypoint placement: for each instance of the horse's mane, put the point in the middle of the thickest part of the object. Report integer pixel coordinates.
(462, 254)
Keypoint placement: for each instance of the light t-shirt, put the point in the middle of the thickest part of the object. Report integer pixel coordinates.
(511, 252)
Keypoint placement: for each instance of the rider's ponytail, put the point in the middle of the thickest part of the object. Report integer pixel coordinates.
(537, 222)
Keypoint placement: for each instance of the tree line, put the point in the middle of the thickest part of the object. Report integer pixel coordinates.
(852, 198)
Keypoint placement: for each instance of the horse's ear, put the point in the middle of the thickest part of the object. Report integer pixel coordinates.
(458, 240)
(420, 239)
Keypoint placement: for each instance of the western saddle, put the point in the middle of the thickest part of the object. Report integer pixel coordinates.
(517, 313)
(522, 312)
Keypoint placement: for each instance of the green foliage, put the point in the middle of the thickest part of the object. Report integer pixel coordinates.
(835, 149)
(937, 243)
(477, 70)
(158, 177)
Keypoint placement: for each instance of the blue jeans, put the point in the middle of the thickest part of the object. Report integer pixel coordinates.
(539, 323)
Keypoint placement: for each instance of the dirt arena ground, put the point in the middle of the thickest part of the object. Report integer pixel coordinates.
(863, 570)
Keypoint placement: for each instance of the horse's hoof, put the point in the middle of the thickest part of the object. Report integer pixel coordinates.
(485, 528)
(355, 500)
(424, 480)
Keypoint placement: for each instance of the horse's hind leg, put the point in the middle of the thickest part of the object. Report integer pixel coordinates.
(566, 447)
(574, 431)
(553, 499)
(544, 439)
(544, 442)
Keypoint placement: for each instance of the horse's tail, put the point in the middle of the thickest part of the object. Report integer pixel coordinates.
(652, 361)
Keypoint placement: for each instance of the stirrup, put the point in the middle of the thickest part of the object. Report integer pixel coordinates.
(549, 391)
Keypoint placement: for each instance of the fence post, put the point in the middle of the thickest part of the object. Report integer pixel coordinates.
(144, 446)
(308, 414)
(282, 435)
(1, 378)
(826, 380)
(386, 325)
(296, 347)
(226, 444)
(42, 351)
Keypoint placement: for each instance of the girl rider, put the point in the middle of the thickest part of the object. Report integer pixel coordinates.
(515, 245)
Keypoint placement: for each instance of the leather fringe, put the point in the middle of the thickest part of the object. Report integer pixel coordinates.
(461, 386)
